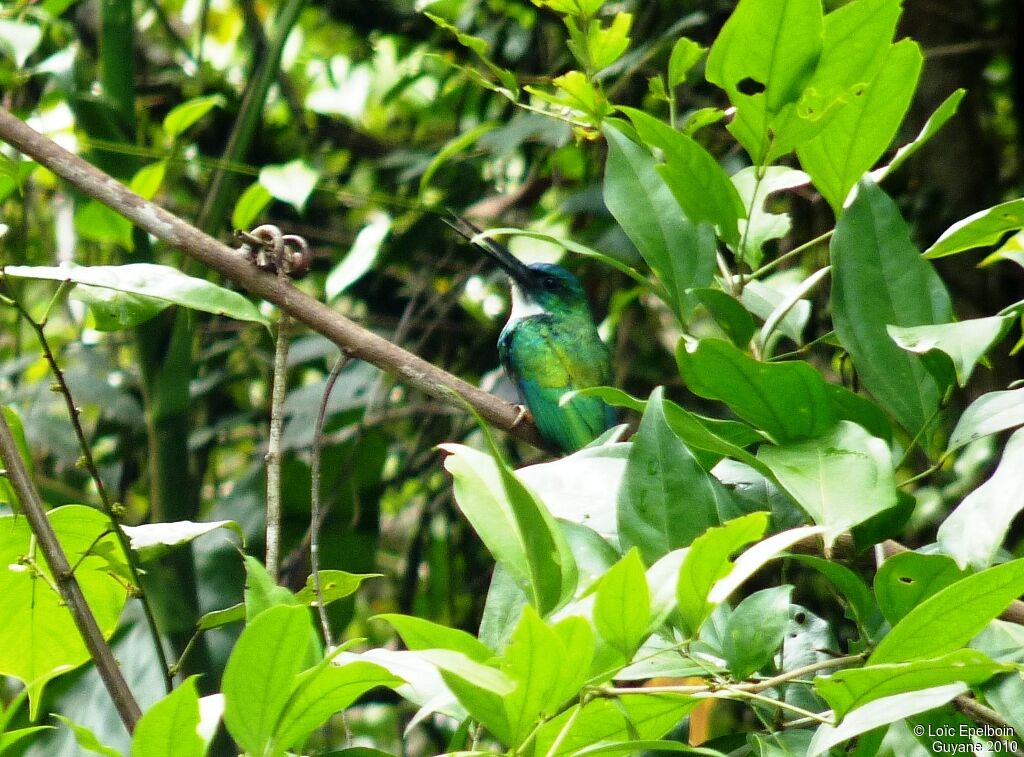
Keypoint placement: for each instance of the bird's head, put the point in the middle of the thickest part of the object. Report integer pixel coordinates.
(536, 289)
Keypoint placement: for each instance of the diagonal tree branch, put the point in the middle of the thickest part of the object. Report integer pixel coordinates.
(353, 339)
(67, 584)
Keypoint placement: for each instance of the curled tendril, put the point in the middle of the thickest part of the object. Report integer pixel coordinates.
(270, 250)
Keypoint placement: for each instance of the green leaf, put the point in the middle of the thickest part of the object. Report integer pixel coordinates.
(734, 319)
(680, 253)
(987, 415)
(763, 57)
(148, 280)
(882, 712)
(549, 667)
(841, 478)
(153, 540)
(788, 400)
(182, 116)
(260, 673)
(862, 130)
(147, 180)
(946, 110)
(516, 528)
(480, 688)
(667, 498)
(846, 690)
(754, 186)
(7, 493)
(904, 580)
(334, 585)
(261, 591)
(774, 43)
(698, 182)
(974, 531)
(38, 638)
(622, 607)
(87, 739)
(361, 257)
(966, 342)
(755, 630)
(420, 633)
(762, 300)
(639, 716)
(950, 618)
(291, 182)
(112, 310)
(602, 45)
(170, 727)
(981, 229)
(250, 204)
(319, 693)
(98, 223)
(684, 56)
(879, 279)
(707, 561)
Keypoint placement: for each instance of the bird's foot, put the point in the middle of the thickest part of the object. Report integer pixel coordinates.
(522, 415)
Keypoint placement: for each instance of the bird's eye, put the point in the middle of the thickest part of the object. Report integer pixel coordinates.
(550, 283)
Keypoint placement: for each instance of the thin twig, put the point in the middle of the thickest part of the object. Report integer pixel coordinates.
(109, 507)
(316, 514)
(67, 584)
(273, 457)
(350, 337)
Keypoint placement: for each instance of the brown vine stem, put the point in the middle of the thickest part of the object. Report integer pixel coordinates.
(109, 507)
(67, 584)
(353, 339)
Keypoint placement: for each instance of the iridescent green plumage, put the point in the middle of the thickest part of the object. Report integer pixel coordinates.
(550, 346)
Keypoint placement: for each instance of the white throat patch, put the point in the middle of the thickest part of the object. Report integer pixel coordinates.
(522, 306)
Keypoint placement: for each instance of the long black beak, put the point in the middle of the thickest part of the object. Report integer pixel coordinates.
(510, 264)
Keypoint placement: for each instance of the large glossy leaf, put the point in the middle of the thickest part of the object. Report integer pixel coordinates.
(708, 560)
(987, 415)
(878, 279)
(639, 716)
(950, 618)
(516, 527)
(882, 712)
(698, 182)
(158, 282)
(667, 499)
(986, 227)
(258, 678)
(420, 633)
(841, 478)
(38, 638)
(170, 728)
(788, 400)
(622, 606)
(680, 253)
(974, 531)
(763, 58)
(966, 342)
(319, 693)
(862, 130)
(846, 690)
(906, 579)
(755, 630)
(549, 664)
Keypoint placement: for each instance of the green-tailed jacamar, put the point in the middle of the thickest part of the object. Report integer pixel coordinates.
(550, 346)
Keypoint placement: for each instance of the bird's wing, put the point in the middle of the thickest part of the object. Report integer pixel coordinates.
(544, 368)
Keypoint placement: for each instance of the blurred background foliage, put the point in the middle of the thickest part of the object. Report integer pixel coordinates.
(353, 123)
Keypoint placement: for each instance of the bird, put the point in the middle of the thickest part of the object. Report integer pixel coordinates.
(550, 346)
